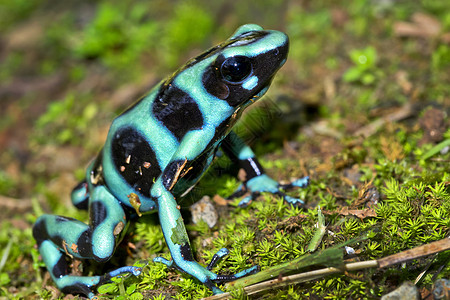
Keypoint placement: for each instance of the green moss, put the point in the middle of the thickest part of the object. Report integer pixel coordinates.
(14, 12)
(67, 121)
(178, 33)
(344, 68)
(118, 35)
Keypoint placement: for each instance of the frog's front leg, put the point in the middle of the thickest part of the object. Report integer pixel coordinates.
(256, 180)
(58, 237)
(176, 236)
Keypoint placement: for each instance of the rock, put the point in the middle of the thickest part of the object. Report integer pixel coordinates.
(204, 210)
(407, 291)
(441, 289)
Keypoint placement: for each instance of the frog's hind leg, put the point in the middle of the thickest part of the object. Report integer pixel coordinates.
(58, 237)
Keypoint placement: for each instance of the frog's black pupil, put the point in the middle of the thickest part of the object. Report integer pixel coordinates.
(236, 68)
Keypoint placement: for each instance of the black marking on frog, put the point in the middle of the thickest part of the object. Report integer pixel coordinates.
(131, 153)
(97, 213)
(252, 168)
(197, 166)
(40, 232)
(186, 252)
(60, 269)
(76, 288)
(177, 111)
(83, 242)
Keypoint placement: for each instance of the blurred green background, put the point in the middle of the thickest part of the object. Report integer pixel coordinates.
(68, 67)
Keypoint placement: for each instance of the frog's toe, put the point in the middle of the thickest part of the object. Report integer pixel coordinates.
(291, 200)
(248, 199)
(239, 192)
(129, 270)
(217, 258)
(224, 278)
(123, 272)
(246, 272)
(159, 259)
(300, 183)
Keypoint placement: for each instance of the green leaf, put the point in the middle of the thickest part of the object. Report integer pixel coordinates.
(436, 149)
(136, 296)
(131, 288)
(108, 288)
(4, 279)
(352, 74)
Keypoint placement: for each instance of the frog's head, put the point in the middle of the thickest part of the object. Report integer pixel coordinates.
(237, 71)
(245, 64)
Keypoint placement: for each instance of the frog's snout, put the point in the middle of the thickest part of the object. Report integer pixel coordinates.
(283, 49)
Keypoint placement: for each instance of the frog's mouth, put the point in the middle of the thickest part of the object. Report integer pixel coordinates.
(262, 91)
(259, 94)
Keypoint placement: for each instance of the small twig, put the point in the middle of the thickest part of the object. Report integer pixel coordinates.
(400, 114)
(414, 253)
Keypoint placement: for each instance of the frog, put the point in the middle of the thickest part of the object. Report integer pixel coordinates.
(154, 154)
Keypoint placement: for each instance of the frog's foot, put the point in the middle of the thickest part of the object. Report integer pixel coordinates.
(123, 271)
(86, 285)
(224, 278)
(205, 275)
(264, 183)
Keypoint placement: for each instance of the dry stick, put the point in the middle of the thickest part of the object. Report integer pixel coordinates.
(414, 253)
(400, 114)
(431, 248)
(14, 203)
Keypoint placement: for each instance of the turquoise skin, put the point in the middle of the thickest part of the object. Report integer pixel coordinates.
(157, 150)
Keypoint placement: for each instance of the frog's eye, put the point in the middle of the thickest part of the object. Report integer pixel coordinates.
(236, 68)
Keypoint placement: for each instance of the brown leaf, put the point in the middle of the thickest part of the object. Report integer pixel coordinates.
(219, 200)
(360, 213)
(345, 211)
(405, 29)
(429, 23)
(25, 36)
(423, 25)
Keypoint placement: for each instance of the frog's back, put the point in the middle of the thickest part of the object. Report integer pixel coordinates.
(143, 139)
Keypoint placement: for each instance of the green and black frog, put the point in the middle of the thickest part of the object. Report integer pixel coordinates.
(157, 150)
